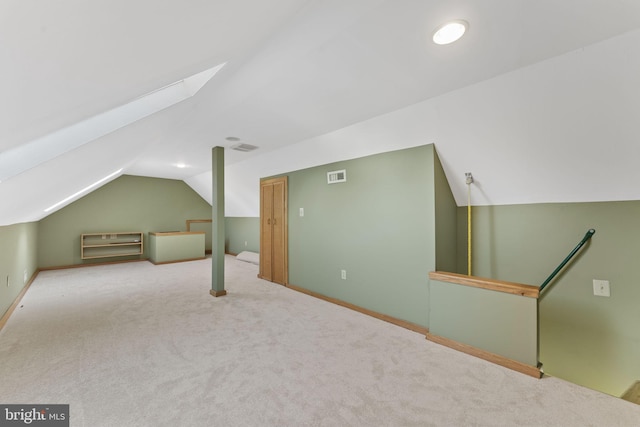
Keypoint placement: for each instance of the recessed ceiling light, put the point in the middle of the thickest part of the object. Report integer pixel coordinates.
(181, 165)
(450, 32)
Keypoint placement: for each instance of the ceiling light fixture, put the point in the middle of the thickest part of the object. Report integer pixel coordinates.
(450, 32)
(181, 165)
(232, 139)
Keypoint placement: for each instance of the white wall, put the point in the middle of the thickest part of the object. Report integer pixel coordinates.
(534, 132)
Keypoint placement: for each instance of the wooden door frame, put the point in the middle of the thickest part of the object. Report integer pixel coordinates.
(285, 181)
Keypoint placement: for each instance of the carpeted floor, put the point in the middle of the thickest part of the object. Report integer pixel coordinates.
(143, 345)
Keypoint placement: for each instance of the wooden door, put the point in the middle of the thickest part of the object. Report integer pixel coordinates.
(266, 230)
(278, 235)
(273, 230)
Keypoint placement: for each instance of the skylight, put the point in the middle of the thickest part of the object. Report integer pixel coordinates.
(83, 191)
(31, 154)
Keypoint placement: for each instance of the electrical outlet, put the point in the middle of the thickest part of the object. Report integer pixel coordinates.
(343, 274)
(601, 288)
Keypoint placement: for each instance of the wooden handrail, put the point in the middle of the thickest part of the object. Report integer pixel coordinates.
(484, 283)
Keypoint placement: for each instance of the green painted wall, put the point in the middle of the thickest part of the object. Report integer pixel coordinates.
(18, 255)
(206, 228)
(175, 247)
(242, 234)
(446, 221)
(379, 226)
(498, 322)
(588, 340)
(129, 203)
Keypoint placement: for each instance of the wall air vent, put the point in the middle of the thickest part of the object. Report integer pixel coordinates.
(244, 147)
(336, 176)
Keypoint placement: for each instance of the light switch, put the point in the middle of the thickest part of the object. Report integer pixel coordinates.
(301, 211)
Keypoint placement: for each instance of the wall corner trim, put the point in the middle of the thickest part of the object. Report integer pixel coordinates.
(9, 312)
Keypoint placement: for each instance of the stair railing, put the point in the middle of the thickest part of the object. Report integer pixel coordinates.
(566, 260)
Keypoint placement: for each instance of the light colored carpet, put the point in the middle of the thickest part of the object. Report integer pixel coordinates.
(143, 345)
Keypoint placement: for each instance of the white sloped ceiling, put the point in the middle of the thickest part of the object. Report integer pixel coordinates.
(538, 100)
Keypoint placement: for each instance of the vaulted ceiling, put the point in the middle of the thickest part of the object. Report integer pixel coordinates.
(539, 100)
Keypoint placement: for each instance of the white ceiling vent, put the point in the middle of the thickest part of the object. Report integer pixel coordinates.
(244, 147)
(337, 176)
